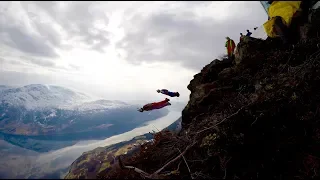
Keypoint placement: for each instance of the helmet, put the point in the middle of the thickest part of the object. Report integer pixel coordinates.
(158, 91)
(227, 38)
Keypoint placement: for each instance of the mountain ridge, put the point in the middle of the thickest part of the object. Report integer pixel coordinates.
(35, 120)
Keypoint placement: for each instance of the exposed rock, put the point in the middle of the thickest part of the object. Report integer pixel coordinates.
(208, 73)
(101, 159)
(226, 73)
(305, 32)
(199, 86)
(314, 17)
(247, 47)
(310, 29)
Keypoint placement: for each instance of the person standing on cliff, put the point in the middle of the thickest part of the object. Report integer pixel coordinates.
(241, 37)
(248, 33)
(230, 45)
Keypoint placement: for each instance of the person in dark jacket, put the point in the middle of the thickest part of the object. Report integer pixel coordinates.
(248, 33)
(168, 93)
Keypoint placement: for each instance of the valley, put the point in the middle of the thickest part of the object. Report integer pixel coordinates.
(29, 120)
(43, 129)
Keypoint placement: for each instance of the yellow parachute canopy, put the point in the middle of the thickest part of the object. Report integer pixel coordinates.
(284, 9)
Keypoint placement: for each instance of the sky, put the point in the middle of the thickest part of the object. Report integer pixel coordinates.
(118, 50)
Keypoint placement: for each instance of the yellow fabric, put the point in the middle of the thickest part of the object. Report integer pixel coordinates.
(268, 28)
(284, 9)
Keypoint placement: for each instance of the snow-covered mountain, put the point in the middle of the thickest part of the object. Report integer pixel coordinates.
(38, 96)
(41, 96)
(53, 111)
(99, 105)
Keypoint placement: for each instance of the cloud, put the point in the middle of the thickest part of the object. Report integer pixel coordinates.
(17, 31)
(117, 49)
(185, 37)
(40, 62)
(26, 43)
(43, 28)
(80, 21)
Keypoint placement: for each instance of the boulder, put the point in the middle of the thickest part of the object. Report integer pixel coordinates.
(209, 73)
(310, 29)
(305, 32)
(248, 46)
(226, 73)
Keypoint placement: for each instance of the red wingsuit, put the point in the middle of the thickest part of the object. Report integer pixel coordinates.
(155, 105)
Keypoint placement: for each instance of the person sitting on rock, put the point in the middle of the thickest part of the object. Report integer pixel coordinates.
(230, 45)
(155, 105)
(168, 93)
(248, 33)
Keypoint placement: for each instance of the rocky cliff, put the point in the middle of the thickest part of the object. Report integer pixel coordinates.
(257, 117)
(102, 159)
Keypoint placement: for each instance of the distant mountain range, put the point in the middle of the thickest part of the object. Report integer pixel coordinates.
(32, 114)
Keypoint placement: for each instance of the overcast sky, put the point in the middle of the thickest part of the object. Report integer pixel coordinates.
(118, 50)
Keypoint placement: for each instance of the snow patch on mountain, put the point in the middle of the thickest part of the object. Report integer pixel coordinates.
(38, 96)
(41, 96)
(100, 105)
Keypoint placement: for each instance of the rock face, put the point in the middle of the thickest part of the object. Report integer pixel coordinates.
(260, 117)
(201, 86)
(310, 29)
(247, 47)
(101, 160)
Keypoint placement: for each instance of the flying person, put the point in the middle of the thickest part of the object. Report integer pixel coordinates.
(155, 105)
(168, 93)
